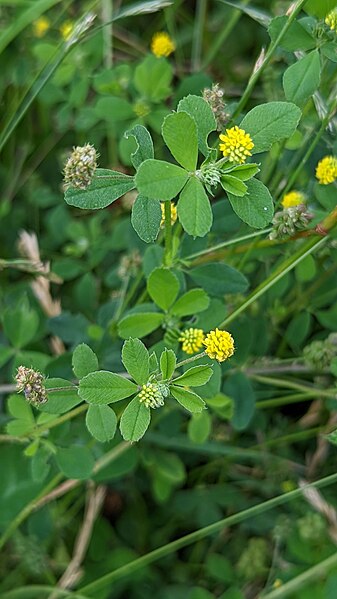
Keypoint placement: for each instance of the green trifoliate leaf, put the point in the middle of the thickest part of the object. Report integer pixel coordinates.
(194, 209)
(195, 376)
(144, 144)
(180, 135)
(84, 361)
(160, 180)
(153, 77)
(302, 79)
(218, 279)
(163, 287)
(189, 400)
(103, 387)
(296, 38)
(135, 358)
(106, 187)
(75, 462)
(146, 218)
(203, 115)
(101, 423)
(140, 324)
(271, 122)
(168, 362)
(192, 302)
(135, 420)
(256, 208)
(233, 185)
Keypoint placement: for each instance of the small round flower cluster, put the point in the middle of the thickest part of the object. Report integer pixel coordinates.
(236, 145)
(80, 167)
(319, 354)
(214, 97)
(288, 221)
(174, 213)
(192, 340)
(151, 395)
(293, 198)
(219, 345)
(210, 175)
(31, 382)
(162, 44)
(41, 26)
(326, 170)
(331, 20)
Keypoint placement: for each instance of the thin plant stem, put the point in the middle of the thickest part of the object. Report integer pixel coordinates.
(202, 533)
(107, 10)
(199, 24)
(291, 438)
(60, 420)
(168, 234)
(192, 359)
(36, 590)
(227, 243)
(293, 385)
(284, 400)
(269, 55)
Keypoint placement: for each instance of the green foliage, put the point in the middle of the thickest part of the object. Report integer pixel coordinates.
(302, 79)
(106, 187)
(103, 387)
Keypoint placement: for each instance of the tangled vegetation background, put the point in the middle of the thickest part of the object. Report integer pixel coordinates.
(168, 287)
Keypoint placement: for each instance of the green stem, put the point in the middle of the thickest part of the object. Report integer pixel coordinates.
(192, 359)
(266, 380)
(283, 269)
(28, 509)
(199, 23)
(64, 418)
(311, 575)
(269, 54)
(288, 439)
(202, 533)
(168, 234)
(35, 591)
(286, 399)
(107, 11)
(219, 246)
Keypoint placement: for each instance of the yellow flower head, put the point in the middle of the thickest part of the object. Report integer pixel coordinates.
(192, 340)
(326, 170)
(66, 29)
(293, 198)
(173, 213)
(162, 44)
(236, 145)
(331, 20)
(219, 345)
(41, 26)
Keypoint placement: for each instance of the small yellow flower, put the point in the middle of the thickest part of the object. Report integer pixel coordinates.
(331, 20)
(173, 214)
(192, 340)
(219, 345)
(293, 198)
(287, 486)
(41, 26)
(236, 145)
(162, 44)
(326, 170)
(277, 583)
(66, 29)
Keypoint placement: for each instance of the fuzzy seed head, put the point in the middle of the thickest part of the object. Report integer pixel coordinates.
(80, 167)
(162, 44)
(192, 340)
(236, 145)
(326, 170)
(214, 97)
(288, 221)
(219, 345)
(293, 198)
(31, 383)
(151, 395)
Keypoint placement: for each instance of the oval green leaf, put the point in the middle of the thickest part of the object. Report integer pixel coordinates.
(135, 420)
(189, 400)
(105, 387)
(106, 187)
(194, 209)
(140, 324)
(163, 287)
(269, 123)
(257, 207)
(179, 132)
(160, 180)
(135, 358)
(101, 423)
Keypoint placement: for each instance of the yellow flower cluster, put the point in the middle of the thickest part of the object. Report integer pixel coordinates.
(162, 44)
(173, 214)
(293, 198)
(331, 20)
(219, 345)
(192, 340)
(41, 26)
(326, 170)
(66, 29)
(236, 145)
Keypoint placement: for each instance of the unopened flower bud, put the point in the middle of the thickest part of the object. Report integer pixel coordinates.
(152, 396)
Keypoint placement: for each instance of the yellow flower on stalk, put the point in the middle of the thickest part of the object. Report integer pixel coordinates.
(173, 213)
(219, 345)
(192, 340)
(66, 29)
(236, 145)
(331, 20)
(41, 26)
(326, 170)
(162, 44)
(293, 198)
